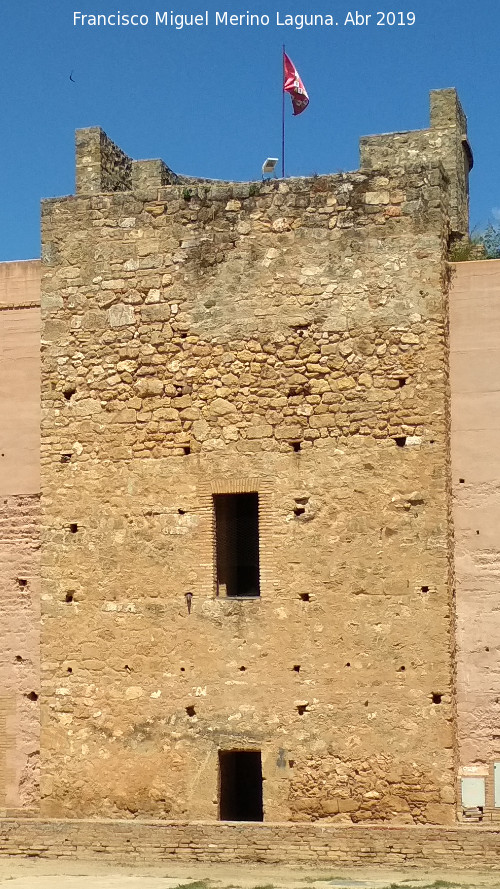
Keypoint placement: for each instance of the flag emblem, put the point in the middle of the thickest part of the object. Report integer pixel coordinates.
(292, 84)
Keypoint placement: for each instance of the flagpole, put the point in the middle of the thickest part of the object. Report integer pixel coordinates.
(283, 116)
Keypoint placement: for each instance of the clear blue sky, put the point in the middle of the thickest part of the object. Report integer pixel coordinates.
(208, 99)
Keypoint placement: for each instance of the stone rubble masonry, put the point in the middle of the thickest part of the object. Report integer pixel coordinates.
(194, 337)
(150, 173)
(19, 534)
(475, 378)
(100, 164)
(298, 845)
(446, 139)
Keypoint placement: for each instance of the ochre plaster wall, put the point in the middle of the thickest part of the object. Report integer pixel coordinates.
(19, 532)
(475, 379)
(233, 321)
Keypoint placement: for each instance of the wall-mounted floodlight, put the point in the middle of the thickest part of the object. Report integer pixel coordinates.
(269, 165)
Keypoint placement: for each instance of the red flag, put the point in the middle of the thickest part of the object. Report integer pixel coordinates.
(292, 84)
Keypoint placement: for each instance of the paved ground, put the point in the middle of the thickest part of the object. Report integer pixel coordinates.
(18, 873)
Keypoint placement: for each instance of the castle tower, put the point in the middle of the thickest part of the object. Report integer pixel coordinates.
(247, 589)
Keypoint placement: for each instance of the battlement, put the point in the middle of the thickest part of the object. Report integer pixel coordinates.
(446, 141)
(102, 167)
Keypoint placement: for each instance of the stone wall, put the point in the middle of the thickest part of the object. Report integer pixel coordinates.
(150, 174)
(446, 139)
(296, 845)
(19, 533)
(285, 338)
(100, 164)
(475, 378)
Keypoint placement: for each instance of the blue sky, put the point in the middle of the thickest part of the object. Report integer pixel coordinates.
(208, 99)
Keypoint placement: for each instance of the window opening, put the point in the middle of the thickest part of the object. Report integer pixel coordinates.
(237, 544)
(240, 785)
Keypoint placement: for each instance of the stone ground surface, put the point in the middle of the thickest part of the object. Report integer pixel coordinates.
(46, 874)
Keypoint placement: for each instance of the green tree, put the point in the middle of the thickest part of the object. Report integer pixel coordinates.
(491, 241)
(485, 245)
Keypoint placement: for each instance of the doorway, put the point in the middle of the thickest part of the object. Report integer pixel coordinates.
(240, 785)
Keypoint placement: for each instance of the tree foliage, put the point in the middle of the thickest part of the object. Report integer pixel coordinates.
(479, 246)
(490, 240)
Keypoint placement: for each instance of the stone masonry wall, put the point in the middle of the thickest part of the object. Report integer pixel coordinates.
(19, 534)
(446, 139)
(101, 165)
(295, 845)
(152, 173)
(287, 338)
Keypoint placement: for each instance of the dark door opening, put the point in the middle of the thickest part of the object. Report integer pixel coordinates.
(240, 785)
(237, 544)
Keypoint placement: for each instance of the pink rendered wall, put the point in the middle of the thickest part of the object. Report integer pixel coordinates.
(475, 385)
(19, 532)
(19, 377)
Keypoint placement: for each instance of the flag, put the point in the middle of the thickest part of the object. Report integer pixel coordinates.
(293, 85)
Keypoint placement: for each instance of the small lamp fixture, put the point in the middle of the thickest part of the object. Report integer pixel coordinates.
(269, 165)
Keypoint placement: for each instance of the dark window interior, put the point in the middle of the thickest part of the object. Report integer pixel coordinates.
(237, 544)
(240, 797)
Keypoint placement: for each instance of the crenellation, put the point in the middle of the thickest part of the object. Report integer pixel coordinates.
(149, 176)
(100, 165)
(445, 142)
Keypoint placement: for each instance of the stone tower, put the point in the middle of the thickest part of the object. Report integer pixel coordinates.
(246, 567)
